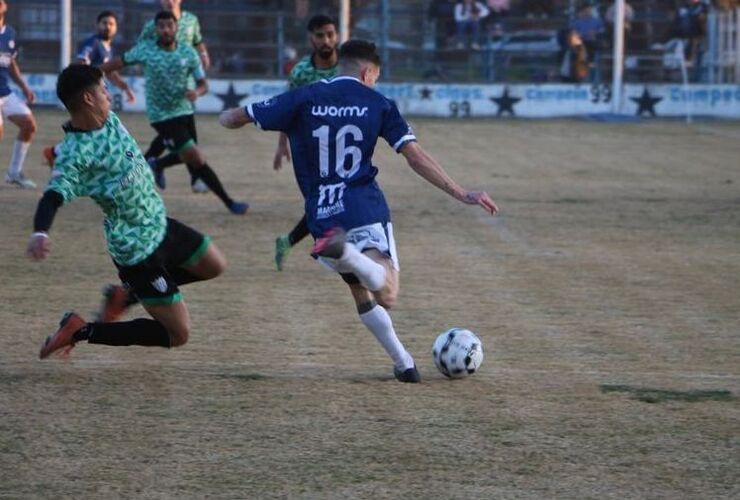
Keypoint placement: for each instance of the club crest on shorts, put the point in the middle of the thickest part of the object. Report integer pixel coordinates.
(160, 284)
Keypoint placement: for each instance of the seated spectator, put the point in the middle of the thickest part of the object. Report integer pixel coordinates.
(499, 10)
(468, 15)
(574, 67)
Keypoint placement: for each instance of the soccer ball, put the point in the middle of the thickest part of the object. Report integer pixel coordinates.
(457, 353)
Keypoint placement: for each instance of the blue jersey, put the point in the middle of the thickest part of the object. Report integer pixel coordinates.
(8, 51)
(93, 51)
(333, 126)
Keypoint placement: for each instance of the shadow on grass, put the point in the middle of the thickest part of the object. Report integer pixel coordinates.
(650, 395)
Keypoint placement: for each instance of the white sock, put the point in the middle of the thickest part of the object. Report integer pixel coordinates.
(378, 321)
(18, 157)
(370, 273)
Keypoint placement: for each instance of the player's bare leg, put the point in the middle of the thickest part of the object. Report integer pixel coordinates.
(26, 130)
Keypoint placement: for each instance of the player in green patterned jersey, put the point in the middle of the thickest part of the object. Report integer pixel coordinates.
(168, 65)
(320, 64)
(153, 253)
(188, 33)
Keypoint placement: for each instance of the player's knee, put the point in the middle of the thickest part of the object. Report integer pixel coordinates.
(387, 298)
(179, 336)
(29, 127)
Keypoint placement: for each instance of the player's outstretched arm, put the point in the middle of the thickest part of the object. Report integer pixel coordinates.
(15, 74)
(234, 118)
(114, 64)
(427, 167)
(118, 81)
(39, 245)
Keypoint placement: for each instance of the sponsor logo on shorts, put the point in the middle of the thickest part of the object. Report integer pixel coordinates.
(160, 284)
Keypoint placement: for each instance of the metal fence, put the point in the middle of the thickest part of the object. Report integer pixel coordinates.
(249, 38)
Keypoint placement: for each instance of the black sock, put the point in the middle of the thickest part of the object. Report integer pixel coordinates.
(156, 148)
(211, 179)
(167, 161)
(299, 232)
(147, 332)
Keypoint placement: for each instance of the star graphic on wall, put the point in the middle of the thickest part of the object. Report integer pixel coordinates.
(505, 103)
(231, 99)
(426, 93)
(646, 102)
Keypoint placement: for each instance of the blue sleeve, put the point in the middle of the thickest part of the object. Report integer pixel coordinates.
(279, 112)
(84, 52)
(395, 130)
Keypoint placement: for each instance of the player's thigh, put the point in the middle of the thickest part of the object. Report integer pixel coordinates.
(391, 273)
(175, 318)
(27, 123)
(210, 265)
(176, 135)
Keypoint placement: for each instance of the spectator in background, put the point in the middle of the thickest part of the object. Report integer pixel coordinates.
(590, 28)
(495, 21)
(691, 27)
(468, 16)
(574, 65)
(442, 14)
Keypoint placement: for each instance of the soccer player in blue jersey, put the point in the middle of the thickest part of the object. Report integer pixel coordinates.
(96, 50)
(13, 107)
(333, 127)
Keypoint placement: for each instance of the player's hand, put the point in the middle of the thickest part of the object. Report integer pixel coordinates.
(480, 198)
(39, 246)
(191, 95)
(283, 151)
(30, 96)
(130, 96)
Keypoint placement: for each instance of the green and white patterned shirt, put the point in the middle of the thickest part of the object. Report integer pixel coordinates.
(304, 73)
(166, 73)
(188, 30)
(107, 165)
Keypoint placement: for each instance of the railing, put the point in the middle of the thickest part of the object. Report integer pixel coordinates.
(247, 42)
(724, 46)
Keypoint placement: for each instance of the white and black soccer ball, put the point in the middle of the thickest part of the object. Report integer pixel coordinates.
(457, 353)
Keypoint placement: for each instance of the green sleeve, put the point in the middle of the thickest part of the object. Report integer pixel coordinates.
(197, 37)
(65, 178)
(135, 54)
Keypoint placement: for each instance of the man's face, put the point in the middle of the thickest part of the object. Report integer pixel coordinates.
(98, 98)
(324, 41)
(107, 28)
(170, 5)
(166, 30)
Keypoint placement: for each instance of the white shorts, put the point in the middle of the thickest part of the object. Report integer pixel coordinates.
(12, 105)
(378, 236)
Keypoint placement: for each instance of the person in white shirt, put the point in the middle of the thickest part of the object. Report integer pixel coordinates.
(468, 15)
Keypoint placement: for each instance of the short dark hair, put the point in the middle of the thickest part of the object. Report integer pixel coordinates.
(360, 50)
(320, 20)
(104, 14)
(74, 80)
(164, 14)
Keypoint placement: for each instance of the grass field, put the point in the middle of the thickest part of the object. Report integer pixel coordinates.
(607, 296)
